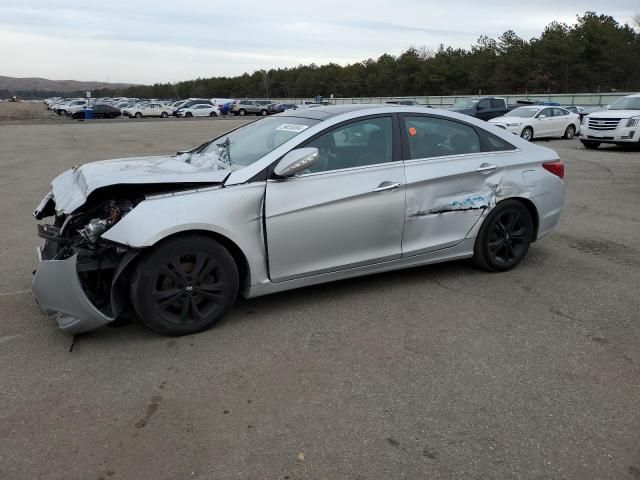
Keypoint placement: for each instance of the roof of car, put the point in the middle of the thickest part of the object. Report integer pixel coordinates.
(327, 111)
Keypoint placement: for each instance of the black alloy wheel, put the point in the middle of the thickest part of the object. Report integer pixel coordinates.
(505, 237)
(185, 285)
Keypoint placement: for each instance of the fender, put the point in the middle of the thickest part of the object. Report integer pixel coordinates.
(232, 212)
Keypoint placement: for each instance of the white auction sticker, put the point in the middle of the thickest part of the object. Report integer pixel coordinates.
(290, 127)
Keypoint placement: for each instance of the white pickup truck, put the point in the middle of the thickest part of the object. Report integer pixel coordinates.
(618, 124)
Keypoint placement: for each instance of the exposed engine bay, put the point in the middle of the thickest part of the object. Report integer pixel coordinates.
(97, 259)
(100, 264)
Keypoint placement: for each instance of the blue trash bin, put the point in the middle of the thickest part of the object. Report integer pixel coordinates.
(88, 113)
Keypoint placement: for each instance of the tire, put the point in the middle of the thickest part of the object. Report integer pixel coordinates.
(188, 114)
(263, 112)
(242, 112)
(170, 299)
(590, 145)
(164, 115)
(504, 238)
(527, 134)
(570, 132)
(213, 114)
(138, 115)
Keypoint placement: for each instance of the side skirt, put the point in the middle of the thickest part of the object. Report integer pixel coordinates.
(460, 251)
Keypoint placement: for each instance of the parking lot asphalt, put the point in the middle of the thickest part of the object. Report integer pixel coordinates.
(438, 372)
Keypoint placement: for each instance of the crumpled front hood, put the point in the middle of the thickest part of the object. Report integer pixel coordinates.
(71, 188)
(615, 114)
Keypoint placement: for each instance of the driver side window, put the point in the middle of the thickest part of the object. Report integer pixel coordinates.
(357, 144)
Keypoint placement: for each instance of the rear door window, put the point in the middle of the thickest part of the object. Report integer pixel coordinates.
(429, 137)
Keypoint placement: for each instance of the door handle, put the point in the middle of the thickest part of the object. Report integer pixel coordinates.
(386, 186)
(486, 168)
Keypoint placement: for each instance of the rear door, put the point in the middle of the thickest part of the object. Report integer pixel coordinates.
(452, 174)
(347, 211)
(561, 119)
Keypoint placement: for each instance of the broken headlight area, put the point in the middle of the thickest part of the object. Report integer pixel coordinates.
(99, 262)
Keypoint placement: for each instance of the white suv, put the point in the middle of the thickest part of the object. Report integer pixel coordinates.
(619, 124)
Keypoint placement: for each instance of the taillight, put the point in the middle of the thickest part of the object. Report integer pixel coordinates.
(556, 167)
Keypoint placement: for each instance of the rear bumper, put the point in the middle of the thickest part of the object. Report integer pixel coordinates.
(58, 292)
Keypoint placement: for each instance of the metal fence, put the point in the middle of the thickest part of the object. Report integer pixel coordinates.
(582, 99)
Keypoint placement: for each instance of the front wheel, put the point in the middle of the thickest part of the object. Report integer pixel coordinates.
(590, 145)
(504, 238)
(184, 285)
(138, 115)
(213, 114)
(241, 112)
(570, 132)
(527, 134)
(188, 114)
(263, 112)
(164, 115)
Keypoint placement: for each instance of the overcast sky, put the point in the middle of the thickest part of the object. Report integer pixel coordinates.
(146, 41)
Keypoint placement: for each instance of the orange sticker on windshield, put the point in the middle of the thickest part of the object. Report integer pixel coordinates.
(412, 131)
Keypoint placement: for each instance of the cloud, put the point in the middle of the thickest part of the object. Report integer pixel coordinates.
(149, 41)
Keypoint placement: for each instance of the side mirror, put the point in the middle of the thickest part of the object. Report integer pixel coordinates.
(295, 161)
(542, 116)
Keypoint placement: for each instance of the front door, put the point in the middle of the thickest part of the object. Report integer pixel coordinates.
(346, 211)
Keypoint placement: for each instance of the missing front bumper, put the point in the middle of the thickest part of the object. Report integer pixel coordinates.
(58, 292)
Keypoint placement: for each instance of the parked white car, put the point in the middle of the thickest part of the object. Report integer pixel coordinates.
(198, 110)
(149, 110)
(618, 124)
(538, 121)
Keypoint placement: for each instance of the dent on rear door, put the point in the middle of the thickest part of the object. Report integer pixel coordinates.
(445, 199)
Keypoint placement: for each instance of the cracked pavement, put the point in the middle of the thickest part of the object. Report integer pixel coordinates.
(437, 372)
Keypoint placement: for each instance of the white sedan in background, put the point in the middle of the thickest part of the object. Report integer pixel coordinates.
(537, 121)
(148, 110)
(198, 110)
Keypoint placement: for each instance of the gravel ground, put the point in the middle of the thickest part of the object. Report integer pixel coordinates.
(438, 372)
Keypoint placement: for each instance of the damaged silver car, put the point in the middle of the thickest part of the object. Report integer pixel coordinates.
(291, 200)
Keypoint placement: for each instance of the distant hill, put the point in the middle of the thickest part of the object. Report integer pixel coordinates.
(16, 86)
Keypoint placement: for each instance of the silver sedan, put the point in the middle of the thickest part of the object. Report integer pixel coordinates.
(295, 199)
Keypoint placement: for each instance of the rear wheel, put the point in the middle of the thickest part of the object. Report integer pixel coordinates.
(241, 112)
(505, 237)
(527, 134)
(590, 145)
(263, 112)
(138, 115)
(184, 285)
(570, 132)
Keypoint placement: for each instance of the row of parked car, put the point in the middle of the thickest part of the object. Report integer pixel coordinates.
(616, 123)
(191, 107)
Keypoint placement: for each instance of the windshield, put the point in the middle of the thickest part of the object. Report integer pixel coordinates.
(626, 103)
(465, 103)
(523, 112)
(250, 143)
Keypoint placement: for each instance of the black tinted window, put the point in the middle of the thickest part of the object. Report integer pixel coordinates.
(497, 103)
(357, 144)
(436, 137)
(484, 104)
(493, 143)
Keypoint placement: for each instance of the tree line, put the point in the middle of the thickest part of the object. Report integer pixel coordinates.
(596, 54)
